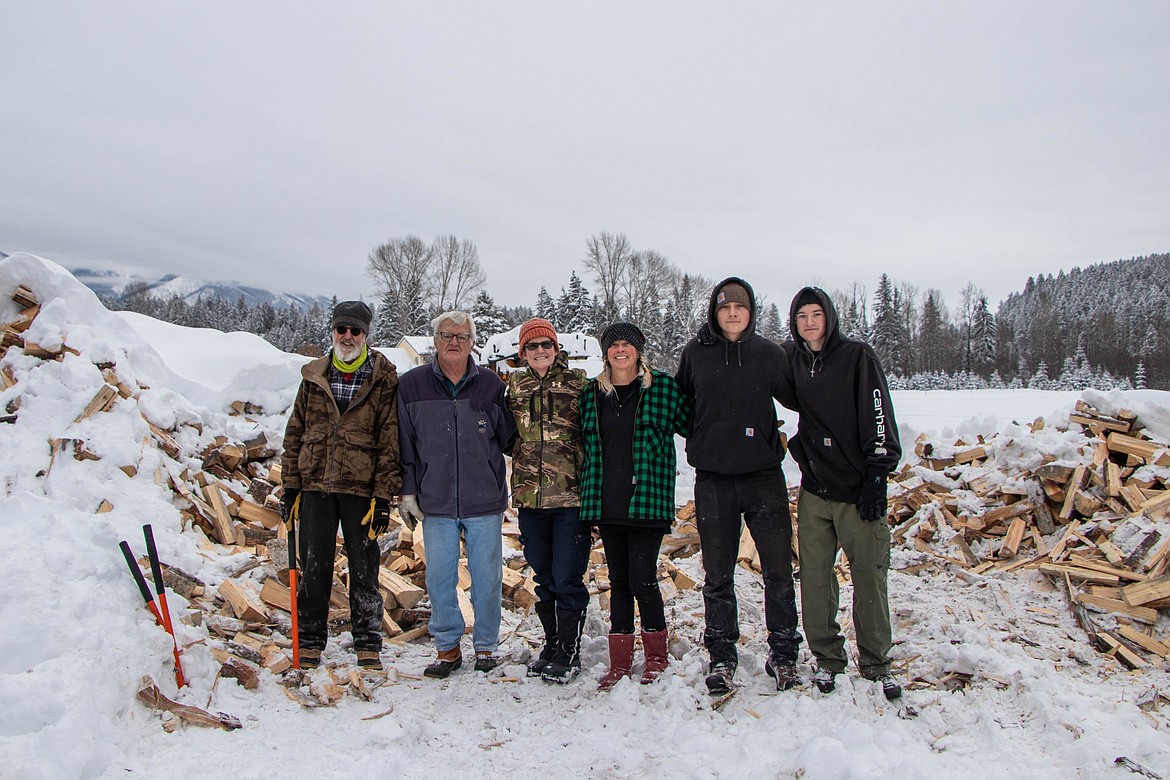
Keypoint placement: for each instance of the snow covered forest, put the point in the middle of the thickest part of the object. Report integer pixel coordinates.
(1103, 326)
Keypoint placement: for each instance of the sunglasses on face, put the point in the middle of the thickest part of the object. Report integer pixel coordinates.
(532, 346)
(343, 329)
(446, 337)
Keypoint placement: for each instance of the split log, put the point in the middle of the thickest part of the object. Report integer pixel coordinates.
(405, 593)
(1140, 614)
(102, 401)
(1118, 650)
(1141, 593)
(243, 601)
(277, 594)
(256, 513)
(224, 529)
(151, 696)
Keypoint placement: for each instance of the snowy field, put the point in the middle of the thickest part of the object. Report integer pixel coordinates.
(75, 639)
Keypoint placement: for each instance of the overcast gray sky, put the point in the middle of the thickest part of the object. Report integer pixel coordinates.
(276, 143)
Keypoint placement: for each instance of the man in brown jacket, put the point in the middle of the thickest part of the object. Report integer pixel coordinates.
(340, 465)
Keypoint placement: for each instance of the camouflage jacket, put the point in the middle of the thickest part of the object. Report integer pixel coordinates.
(355, 453)
(548, 454)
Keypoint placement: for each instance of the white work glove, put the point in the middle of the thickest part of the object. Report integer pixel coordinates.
(409, 512)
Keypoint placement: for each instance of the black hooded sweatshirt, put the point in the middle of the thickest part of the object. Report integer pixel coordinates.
(733, 426)
(847, 429)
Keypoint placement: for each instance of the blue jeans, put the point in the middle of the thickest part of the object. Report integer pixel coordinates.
(556, 544)
(485, 562)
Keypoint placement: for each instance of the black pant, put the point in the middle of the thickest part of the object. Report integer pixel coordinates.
(316, 545)
(556, 545)
(762, 499)
(632, 556)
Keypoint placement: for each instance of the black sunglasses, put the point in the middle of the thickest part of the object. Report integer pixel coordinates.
(343, 329)
(532, 346)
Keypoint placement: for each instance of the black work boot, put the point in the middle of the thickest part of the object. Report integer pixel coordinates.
(782, 672)
(890, 688)
(719, 680)
(547, 612)
(824, 679)
(566, 661)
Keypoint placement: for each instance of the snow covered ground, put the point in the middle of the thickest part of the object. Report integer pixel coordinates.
(75, 640)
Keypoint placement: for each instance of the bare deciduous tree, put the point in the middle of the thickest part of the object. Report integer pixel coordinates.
(608, 256)
(401, 267)
(645, 283)
(457, 275)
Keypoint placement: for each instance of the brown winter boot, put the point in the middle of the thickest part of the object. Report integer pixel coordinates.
(657, 656)
(621, 660)
(448, 661)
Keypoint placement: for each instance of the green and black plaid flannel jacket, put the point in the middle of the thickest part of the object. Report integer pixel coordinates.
(663, 411)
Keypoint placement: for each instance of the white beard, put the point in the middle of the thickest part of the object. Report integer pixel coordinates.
(347, 355)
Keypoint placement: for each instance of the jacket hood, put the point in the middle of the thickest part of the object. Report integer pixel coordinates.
(711, 333)
(832, 324)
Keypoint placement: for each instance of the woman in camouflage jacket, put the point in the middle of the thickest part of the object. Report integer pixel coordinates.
(544, 398)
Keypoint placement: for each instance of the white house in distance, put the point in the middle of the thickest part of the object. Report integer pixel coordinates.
(418, 348)
(500, 352)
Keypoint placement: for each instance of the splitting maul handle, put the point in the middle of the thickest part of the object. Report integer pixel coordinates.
(132, 562)
(152, 554)
(292, 594)
(156, 573)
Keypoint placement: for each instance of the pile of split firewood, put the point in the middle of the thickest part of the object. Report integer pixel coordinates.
(1093, 524)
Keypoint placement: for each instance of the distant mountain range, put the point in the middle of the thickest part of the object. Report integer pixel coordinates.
(113, 284)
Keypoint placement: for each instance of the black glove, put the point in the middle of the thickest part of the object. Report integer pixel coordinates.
(290, 507)
(378, 518)
(871, 505)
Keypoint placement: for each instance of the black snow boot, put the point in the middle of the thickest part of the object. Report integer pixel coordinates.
(566, 662)
(547, 612)
(719, 680)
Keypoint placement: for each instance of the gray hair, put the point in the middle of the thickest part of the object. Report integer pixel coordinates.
(458, 318)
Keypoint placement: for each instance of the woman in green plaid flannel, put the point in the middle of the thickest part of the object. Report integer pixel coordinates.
(629, 416)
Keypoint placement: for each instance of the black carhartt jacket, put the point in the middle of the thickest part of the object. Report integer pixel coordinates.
(733, 426)
(847, 429)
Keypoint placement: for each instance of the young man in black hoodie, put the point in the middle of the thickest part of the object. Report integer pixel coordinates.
(847, 445)
(734, 443)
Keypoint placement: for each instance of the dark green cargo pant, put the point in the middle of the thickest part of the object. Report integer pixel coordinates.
(823, 527)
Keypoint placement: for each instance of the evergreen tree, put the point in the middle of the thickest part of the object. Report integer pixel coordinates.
(674, 333)
(983, 337)
(575, 308)
(1040, 380)
(931, 336)
(546, 307)
(888, 339)
(489, 320)
(1139, 376)
(388, 328)
(771, 326)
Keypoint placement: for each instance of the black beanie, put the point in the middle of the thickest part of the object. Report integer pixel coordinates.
(622, 331)
(354, 314)
(808, 295)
